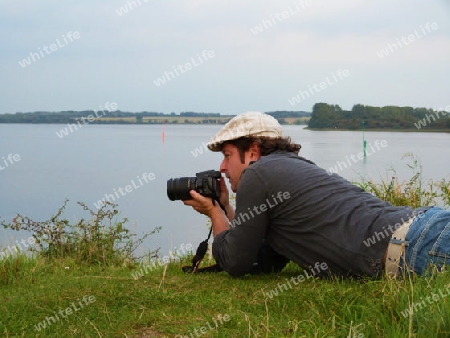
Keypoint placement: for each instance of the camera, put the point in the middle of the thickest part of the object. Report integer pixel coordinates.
(205, 183)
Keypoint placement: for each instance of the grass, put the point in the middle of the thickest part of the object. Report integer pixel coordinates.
(87, 288)
(414, 192)
(167, 302)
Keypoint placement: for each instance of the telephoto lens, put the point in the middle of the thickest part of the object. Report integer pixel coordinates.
(178, 188)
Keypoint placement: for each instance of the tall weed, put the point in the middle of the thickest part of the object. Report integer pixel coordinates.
(102, 240)
(413, 192)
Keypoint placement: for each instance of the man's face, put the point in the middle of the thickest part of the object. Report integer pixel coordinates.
(232, 165)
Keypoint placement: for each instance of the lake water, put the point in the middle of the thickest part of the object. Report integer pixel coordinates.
(99, 160)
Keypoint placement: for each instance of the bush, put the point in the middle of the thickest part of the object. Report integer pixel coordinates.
(413, 192)
(102, 240)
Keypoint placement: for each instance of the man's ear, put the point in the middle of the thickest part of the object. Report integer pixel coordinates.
(255, 151)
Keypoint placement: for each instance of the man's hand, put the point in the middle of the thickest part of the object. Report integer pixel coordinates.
(225, 199)
(201, 204)
(205, 206)
(224, 194)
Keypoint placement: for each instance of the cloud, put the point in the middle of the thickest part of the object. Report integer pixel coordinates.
(118, 57)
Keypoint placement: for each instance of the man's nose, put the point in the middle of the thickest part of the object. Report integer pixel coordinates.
(223, 167)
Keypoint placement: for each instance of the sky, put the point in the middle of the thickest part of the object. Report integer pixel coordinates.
(222, 56)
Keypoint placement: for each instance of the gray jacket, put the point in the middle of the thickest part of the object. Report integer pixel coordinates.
(308, 216)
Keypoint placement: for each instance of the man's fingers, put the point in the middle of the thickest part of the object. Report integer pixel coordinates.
(197, 199)
(223, 185)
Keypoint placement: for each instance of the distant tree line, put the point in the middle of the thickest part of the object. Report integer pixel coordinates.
(282, 114)
(101, 117)
(192, 114)
(120, 117)
(323, 116)
(331, 116)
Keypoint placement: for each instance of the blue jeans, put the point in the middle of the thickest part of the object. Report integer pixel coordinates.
(429, 241)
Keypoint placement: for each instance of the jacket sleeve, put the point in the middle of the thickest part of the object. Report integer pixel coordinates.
(236, 249)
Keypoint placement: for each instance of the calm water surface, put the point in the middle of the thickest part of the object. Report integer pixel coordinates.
(97, 160)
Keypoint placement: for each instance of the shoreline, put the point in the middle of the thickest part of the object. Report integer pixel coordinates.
(407, 130)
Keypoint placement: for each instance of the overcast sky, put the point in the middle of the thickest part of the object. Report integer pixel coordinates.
(257, 54)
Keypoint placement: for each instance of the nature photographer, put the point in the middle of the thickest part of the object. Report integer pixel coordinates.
(322, 218)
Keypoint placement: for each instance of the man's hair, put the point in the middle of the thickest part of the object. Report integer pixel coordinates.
(267, 145)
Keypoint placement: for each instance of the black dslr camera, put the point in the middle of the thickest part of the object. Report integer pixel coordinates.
(205, 183)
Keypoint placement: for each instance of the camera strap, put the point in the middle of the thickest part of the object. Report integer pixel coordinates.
(201, 251)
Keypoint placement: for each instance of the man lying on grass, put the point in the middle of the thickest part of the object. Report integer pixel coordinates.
(308, 215)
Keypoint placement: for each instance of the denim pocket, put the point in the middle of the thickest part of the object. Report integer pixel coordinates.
(441, 248)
